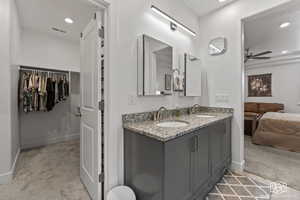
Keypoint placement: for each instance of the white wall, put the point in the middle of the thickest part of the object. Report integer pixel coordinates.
(14, 51)
(44, 50)
(5, 113)
(224, 73)
(129, 20)
(9, 42)
(285, 85)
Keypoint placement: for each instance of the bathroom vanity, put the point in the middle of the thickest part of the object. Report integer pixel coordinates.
(183, 162)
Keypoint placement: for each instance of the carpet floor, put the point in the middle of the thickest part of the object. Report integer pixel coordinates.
(247, 186)
(47, 173)
(273, 164)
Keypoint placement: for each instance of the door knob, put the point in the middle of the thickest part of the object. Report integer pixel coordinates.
(78, 113)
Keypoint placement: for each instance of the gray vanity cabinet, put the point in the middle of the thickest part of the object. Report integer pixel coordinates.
(185, 168)
(179, 156)
(200, 161)
(217, 147)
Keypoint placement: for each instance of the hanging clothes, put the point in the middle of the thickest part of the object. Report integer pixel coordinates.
(50, 94)
(43, 93)
(25, 92)
(66, 85)
(40, 90)
(56, 90)
(60, 90)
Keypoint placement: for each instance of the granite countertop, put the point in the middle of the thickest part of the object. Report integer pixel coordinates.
(149, 127)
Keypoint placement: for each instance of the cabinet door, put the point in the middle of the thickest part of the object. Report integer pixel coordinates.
(178, 172)
(228, 142)
(217, 146)
(200, 160)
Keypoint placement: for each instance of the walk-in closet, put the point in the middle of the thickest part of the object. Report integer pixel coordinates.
(49, 106)
(57, 87)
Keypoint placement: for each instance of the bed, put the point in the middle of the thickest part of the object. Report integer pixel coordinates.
(280, 130)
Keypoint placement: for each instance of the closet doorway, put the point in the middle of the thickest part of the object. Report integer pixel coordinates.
(61, 101)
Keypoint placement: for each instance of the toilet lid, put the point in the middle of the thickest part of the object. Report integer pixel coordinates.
(121, 193)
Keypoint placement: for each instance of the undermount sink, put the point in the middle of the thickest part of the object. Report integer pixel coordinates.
(172, 124)
(205, 116)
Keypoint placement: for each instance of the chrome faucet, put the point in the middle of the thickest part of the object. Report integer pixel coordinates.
(158, 113)
(193, 108)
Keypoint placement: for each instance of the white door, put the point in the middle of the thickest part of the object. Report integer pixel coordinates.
(90, 136)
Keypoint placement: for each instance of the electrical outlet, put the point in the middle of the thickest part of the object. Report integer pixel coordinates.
(222, 98)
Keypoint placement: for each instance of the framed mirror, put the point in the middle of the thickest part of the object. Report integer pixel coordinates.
(217, 46)
(193, 76)
(155, 61)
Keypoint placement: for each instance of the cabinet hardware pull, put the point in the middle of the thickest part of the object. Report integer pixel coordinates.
(196, 143)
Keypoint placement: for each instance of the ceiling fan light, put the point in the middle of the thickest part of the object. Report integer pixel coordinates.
(285, 25)
(69, 20)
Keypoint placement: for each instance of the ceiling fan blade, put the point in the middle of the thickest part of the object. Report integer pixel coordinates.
(260, 58)
(263, 53)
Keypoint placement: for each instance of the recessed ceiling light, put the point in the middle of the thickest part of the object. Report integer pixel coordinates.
(285, 24)
(222, 1)
(69, 20)
(285, 52)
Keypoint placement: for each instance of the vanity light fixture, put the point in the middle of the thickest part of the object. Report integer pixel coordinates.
(173, 22)
(285, 24)
(69, 20)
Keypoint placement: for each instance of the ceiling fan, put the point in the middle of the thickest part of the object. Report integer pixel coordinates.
(259, 56)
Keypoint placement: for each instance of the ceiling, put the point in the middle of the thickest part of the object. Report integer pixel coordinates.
(203, 7)
(263, 32)
(42, 15)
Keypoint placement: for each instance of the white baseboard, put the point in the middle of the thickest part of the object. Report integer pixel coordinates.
(238, 166)
(7, 177)
(44, 142)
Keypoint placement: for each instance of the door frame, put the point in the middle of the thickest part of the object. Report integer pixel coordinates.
(105, 7)
(243, 71)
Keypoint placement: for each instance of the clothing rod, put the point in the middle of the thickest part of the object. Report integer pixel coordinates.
(42, 69)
